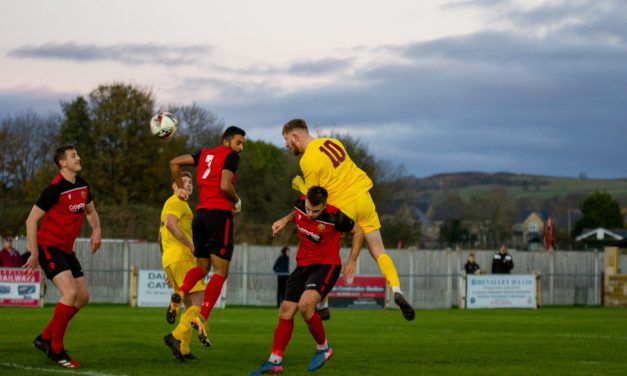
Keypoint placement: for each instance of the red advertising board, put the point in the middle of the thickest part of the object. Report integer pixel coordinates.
(18, 289)
(365, 292)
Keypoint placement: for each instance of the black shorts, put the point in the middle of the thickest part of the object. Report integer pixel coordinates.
(213, 233)
(319, 277)
(54, 261)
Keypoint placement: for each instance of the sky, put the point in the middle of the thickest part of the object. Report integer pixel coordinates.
(520, 86)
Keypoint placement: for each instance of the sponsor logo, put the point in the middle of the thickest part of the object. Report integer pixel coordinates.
(25, 289)
(76, 208)
(5, 289)
(312, 236)
(311, 285)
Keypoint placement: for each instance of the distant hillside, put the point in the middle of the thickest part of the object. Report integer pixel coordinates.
(519, 186)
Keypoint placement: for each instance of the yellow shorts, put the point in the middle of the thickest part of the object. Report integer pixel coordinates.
(364, 213)
(176, 274)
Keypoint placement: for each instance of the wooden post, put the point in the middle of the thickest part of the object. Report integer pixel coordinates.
(538, 287)
(132, 294)
(610, 270)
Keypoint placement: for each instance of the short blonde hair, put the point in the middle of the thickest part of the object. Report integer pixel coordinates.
(295, 124)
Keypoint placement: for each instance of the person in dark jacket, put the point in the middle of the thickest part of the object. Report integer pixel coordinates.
(471, 267)
(282, 269)
(502, 262)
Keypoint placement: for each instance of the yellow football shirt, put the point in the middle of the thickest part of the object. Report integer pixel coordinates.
(326, 163)
(173, 250)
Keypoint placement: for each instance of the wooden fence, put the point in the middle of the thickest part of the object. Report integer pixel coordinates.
(429, 278)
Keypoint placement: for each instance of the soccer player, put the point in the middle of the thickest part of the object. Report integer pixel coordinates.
(212, 226)
(320, 228)
(61, 207)
(326, 163)
(177, 249)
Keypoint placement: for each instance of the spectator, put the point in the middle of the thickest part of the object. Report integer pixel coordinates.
(471, 266)
(502, 263)
(282, 269)
(9, 257)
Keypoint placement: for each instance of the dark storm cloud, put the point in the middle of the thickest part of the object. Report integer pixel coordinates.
(544, 97)
(546, 103)
(171, 55)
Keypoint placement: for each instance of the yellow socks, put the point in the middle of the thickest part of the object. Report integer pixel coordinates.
(183, 331)
(389, 271)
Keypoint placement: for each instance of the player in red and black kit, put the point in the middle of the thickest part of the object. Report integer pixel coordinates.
(63, 206)
(212, 226)
(320, 228)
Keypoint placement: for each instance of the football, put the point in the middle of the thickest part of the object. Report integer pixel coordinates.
(163, 124)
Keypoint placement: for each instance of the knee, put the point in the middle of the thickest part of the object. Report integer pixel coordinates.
(69, 296)
(221, 270)
(81, 299)
(287, 310)
(306, 308)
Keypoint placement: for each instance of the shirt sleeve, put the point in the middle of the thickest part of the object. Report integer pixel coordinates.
(48, 198)
(311, 174)
(174, 208)
(344, 223)
(231, 162)
(196, 157)
(90, 198)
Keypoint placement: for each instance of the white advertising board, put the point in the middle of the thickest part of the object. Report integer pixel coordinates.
(501, 291)
(19, 289)
(153, 289)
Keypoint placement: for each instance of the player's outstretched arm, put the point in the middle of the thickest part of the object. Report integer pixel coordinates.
(279, 224)
(349, 267)
(175, 170)
(94, 221)
(298, 184)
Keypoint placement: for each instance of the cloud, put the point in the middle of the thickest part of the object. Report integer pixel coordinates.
(322, 66)
(544, 96)
(21, 99)
(548, 103)
(131, 54)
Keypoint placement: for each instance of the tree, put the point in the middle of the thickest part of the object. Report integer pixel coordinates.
(493, 213)
(124, 162)
(454, 233)
(599, 209)
(201, 126)
(264, 184)
(402, 228)
(27, 142)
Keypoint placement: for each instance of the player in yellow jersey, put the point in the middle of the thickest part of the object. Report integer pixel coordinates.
(325, 162)
(177, 250)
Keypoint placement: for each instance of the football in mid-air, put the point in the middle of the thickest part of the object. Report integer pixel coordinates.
(163, 124)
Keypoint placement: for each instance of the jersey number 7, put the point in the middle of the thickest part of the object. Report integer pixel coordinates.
(208, 160)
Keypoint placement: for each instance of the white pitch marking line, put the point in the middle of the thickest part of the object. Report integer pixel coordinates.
(73, 371)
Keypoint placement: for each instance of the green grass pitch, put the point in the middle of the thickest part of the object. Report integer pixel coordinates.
(118, 340)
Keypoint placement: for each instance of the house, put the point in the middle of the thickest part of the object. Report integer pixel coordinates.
(529, 234)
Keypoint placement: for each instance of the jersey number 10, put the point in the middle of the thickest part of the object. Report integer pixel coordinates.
(334, 151)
